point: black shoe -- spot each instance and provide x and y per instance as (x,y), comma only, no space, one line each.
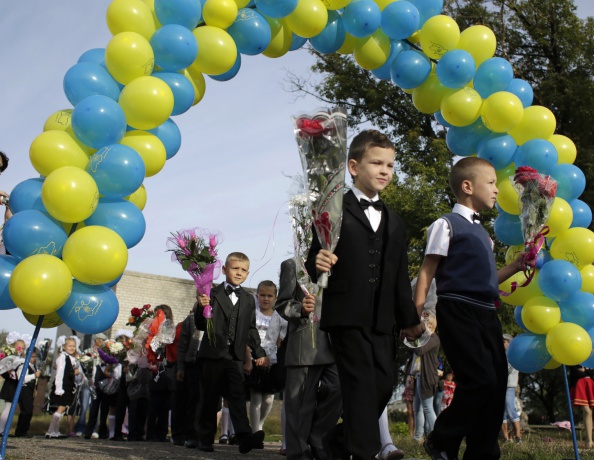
(433,452)
(333,447)
(86,436)
(318,453)
(251,441)
(205,447)
(177,442)
(191,444)
(223,439)
(233,441)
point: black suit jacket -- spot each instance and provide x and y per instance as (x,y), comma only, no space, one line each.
(345,301)
(245,333)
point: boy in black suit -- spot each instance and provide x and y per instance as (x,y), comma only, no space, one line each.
(368,297)
(234,321)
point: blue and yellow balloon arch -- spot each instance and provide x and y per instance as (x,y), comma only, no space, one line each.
(72,227)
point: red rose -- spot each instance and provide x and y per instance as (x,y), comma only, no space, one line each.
(136,312)
(525,174)
(311,127)
(146,307)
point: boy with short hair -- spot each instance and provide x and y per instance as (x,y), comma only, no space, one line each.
(234,322)
(459,255)
(368,297)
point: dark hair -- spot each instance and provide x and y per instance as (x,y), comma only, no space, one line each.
(166,309)
(4,162)
(365,140)
(466,169)
(267,283)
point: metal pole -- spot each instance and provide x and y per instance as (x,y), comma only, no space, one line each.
(17,393)
(573,437)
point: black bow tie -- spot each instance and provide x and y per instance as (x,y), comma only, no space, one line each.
(476,217)
(230,289)
(376,204)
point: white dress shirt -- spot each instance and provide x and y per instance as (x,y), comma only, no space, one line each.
(374,215)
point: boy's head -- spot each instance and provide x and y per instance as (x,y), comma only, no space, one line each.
(266,293)
(371,161)
(474,182)
(236,268)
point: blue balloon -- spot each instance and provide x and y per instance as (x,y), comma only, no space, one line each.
(7,264)
(362,18)
(27,195)
(122,217)
(332,37)
(528,352)
(89,309)
(114,282)
(590,361)
(182,89)
(498,149)
(170,135)
(250,31)
(95,55)
(231,72)
(297,42)
(400,20)
(88,79)
(518,318)
(455,69)
(384,71)
(118,170)
(542,258)
(538,154)
(427,9)
(33,232)
(508,229)
(463,141)
(186,13)
(493,75)
(559,280)
(410,69)
(276,8)
(98,121)
(441,120)
(523,90)
(578,309)
(571,181)
(174,46)
(582,214)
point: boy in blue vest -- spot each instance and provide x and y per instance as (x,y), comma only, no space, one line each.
(459,255)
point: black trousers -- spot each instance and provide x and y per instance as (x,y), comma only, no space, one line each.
(365,362)
(137,412)
(121,406)
(222,377)
(26,407)
(100,410)
(472,340)
(186,402)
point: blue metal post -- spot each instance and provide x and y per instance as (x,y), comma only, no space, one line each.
(575,446)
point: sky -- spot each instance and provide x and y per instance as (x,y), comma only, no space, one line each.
(233,171)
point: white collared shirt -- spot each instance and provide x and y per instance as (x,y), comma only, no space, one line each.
(233,296)
(374,215)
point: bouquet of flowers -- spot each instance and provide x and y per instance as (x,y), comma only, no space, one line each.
(138,315)
(196,250)
(112,352)
(7,350)
(86,363)
(321,140)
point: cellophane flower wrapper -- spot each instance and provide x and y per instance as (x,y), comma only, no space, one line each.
(321,140)
(302,226)
(196,250)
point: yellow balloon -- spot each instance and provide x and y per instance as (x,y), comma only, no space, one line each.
(461,107)
(540,314)
(281,40)
(95,255)
(537,123)
(576,245)
(427,96)
(198,82)
(40,284)
(219,13)
(513,252)
(560,217)
(552,364)
(242,3)
(569,344)
(506,173)
(151,5)
(138,197)
(69,194)
(383,3)
(129,55)
(149,147)
(53,149)
(372,52)
(565,148)
(130,16)
(502,111)
(480,42)
(309,18)
(439,35)
(217,51)
(147,102)
(507,197)
(49,321)
(348,46)
(588,278)
(522,294)
(335,4)
(61,121)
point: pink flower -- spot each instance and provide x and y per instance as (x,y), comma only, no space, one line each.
(2,355)
(207,312)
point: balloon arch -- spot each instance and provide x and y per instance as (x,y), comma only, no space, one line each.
(79,219)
